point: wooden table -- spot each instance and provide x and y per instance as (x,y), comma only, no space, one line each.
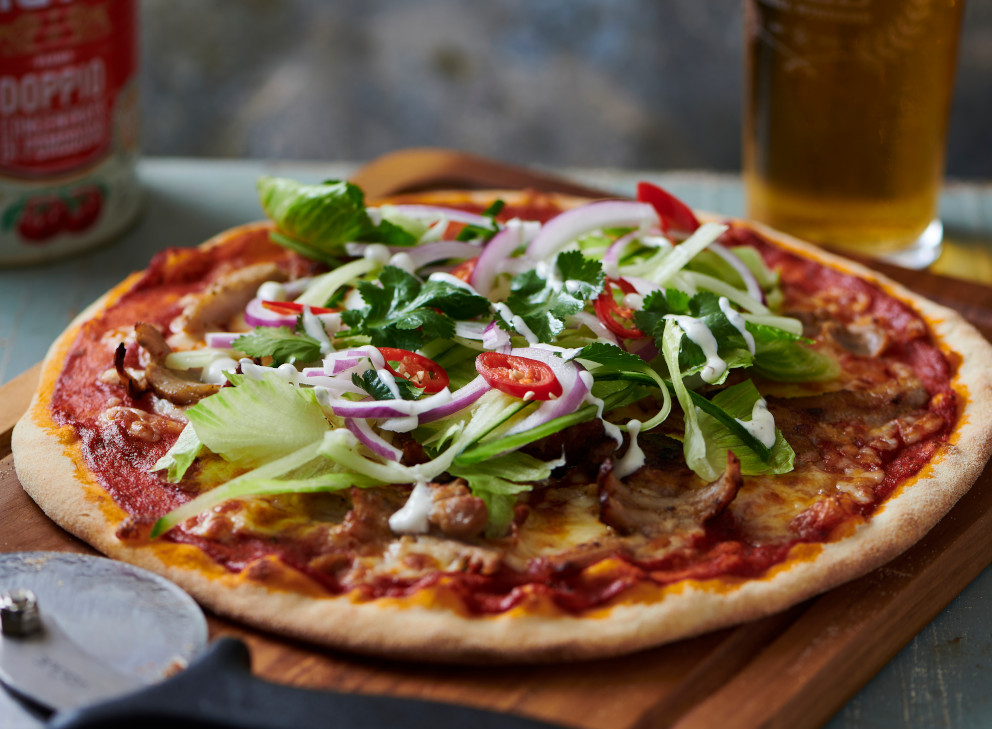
(940,679)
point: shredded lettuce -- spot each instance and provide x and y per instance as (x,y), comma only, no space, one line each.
(257,420)
(497,482)
(180,457)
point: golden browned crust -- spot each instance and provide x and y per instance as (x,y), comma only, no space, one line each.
(431,624)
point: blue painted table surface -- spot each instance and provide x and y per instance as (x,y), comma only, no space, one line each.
(941,679)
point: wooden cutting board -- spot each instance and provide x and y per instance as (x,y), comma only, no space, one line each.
(792,670)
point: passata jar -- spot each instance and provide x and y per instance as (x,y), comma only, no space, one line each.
(68,125)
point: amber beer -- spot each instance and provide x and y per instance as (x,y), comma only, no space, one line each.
(846,119)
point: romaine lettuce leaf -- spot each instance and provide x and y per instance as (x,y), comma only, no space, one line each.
(257,420)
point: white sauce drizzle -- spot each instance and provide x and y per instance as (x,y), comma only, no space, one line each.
(377,252)
(447,278)
(413,517)
(610,429)
(403,260)
(700,334)
(390,382)
(735,318)
(634,457)
(213,373)
(516,322)
(272,291)
(762,423)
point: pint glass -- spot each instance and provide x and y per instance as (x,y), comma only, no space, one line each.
(847,104)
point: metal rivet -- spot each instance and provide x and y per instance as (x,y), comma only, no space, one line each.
(19,614)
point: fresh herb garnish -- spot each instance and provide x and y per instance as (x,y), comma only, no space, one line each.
(405,312)
(478,232)
(544,302)
(282,344)
(372,383)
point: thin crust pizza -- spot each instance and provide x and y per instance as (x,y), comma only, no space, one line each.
(504,426)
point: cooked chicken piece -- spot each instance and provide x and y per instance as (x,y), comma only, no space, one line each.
(651,503)
(225,298)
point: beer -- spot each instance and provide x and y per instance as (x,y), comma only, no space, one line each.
(846,118)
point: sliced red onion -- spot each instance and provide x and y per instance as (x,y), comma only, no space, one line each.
(460,398)
(754,289)
(258,316)
(432,212)
(497,250)
(496,339)
(221,340)
(612,255)
(370,408)
(571,224)
(375,442)
(574,389)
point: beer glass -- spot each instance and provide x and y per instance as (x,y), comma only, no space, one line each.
(847,104)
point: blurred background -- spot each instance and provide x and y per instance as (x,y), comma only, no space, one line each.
(642,84)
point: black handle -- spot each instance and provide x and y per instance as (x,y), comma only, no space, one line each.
(220,692)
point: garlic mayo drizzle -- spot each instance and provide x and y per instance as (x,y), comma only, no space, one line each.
(762,423)
(735,318)
(412,518)
(700,334)
(634,457)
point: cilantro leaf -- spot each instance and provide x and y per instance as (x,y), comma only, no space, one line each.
(704,306)
(406,313)
(372,383)
(543,303)
(478,232)
(280,343)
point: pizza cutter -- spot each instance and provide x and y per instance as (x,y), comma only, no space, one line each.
(89,642)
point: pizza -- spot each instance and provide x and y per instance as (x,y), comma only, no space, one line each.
(505,426)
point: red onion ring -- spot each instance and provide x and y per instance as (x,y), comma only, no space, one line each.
(258,316)
(754,289)
(569,225)
(497,250)
(460,398)
(375,442)
(221,340)
(496,339)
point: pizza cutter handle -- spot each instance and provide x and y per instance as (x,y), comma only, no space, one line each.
(220,692)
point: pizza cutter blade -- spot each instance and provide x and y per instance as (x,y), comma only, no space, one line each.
(108,634)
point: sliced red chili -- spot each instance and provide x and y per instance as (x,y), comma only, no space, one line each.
(675,215)
(418,369)
(464,270)
(518,376)
(617,318)
(291,307)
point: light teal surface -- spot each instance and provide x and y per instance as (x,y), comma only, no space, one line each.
(941,680)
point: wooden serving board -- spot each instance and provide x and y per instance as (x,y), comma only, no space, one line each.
(793,670)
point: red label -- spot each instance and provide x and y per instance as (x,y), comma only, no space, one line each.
(63,65)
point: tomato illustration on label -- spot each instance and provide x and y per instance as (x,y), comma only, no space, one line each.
(85,204)
(42,217)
